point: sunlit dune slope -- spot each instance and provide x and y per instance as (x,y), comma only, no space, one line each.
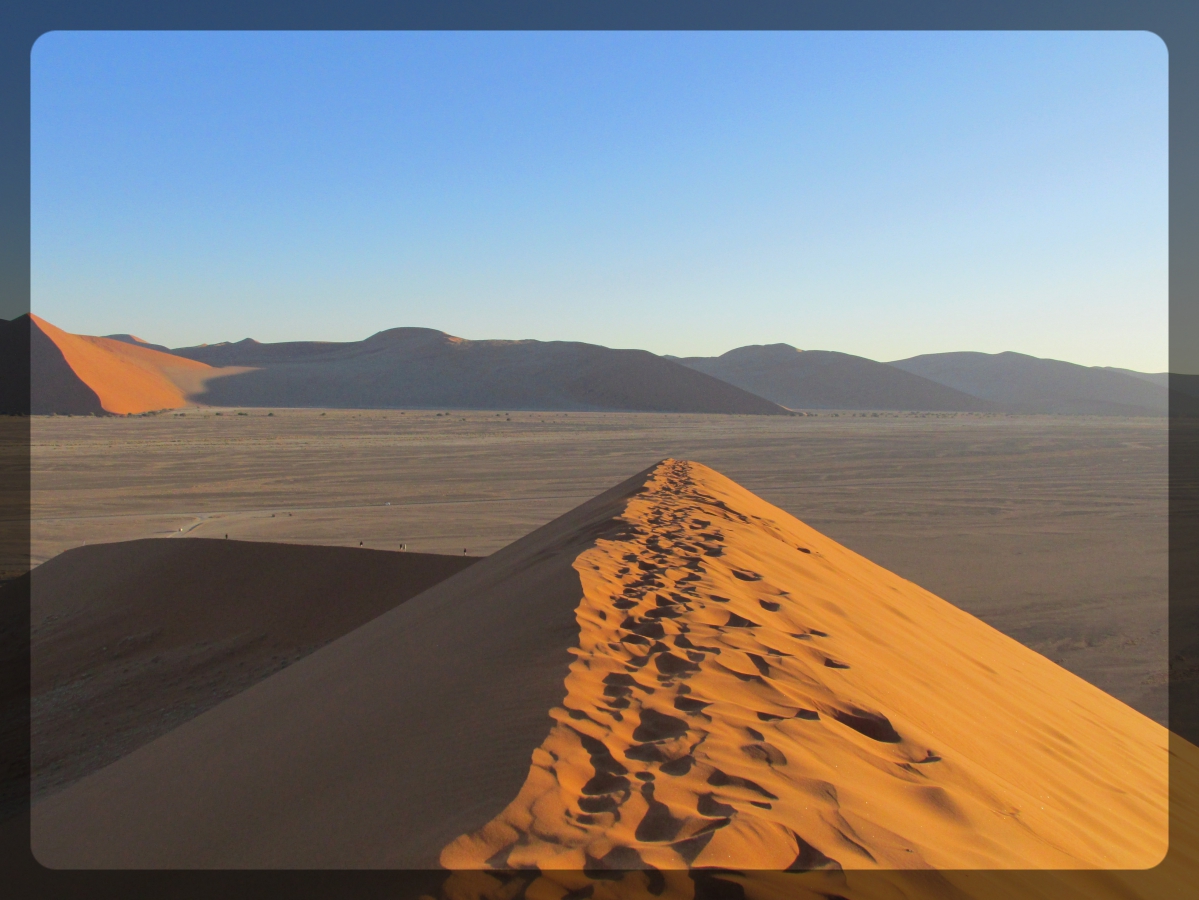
(374,751)
(674,675)
(125,377)
(748,693)
(1173,879)
(34,376)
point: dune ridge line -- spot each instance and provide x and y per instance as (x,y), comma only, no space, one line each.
(747,693)
(127,378)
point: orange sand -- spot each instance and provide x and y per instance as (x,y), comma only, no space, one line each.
(128,378)
(748,694)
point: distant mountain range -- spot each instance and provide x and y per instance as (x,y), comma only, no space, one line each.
(824,379)
(419,368)
(401,368)
(423,368)
(1027,384)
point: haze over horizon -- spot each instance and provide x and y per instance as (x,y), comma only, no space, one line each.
(881,194)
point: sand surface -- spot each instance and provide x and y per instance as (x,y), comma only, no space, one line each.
(748,694)
(130,640)
(733,689)
(1051,529)
(374,751)
(125,377)
(1173,879)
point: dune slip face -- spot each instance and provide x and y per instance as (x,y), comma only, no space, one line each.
(106,375)
(748,694)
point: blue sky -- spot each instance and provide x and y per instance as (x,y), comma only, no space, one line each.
(884,194)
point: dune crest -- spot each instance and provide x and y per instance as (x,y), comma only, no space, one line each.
(746,693)
(128,378)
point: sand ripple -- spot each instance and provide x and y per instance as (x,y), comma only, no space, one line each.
(747,693)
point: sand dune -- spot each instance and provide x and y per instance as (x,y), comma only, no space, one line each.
(1173,879)
(823,379)
(1161,379)
(81,375)
(137,342)
(423,368)
(399,368)
(29,359)
(131,639)
(748,694)
(1026,384)
(674,675)
(341,759)
(125,377)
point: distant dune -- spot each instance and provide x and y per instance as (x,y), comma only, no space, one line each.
(81,375)
(400,368)
(1161,379)
(137,342)
(676,674)
(822,379)
(29,357)
(131,639)
(420,368)
(423,368)
(1026,384)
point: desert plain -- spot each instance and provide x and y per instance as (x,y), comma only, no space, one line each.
(1051,529)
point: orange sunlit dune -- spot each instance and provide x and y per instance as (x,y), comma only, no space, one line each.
(747,693)
(674,682)
(128,378)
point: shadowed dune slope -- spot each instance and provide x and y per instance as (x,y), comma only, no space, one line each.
(423,368)
(823,379)
(676,674)
(36,378)
(131,639)
(1026,384)
(124,377)
(375,751)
